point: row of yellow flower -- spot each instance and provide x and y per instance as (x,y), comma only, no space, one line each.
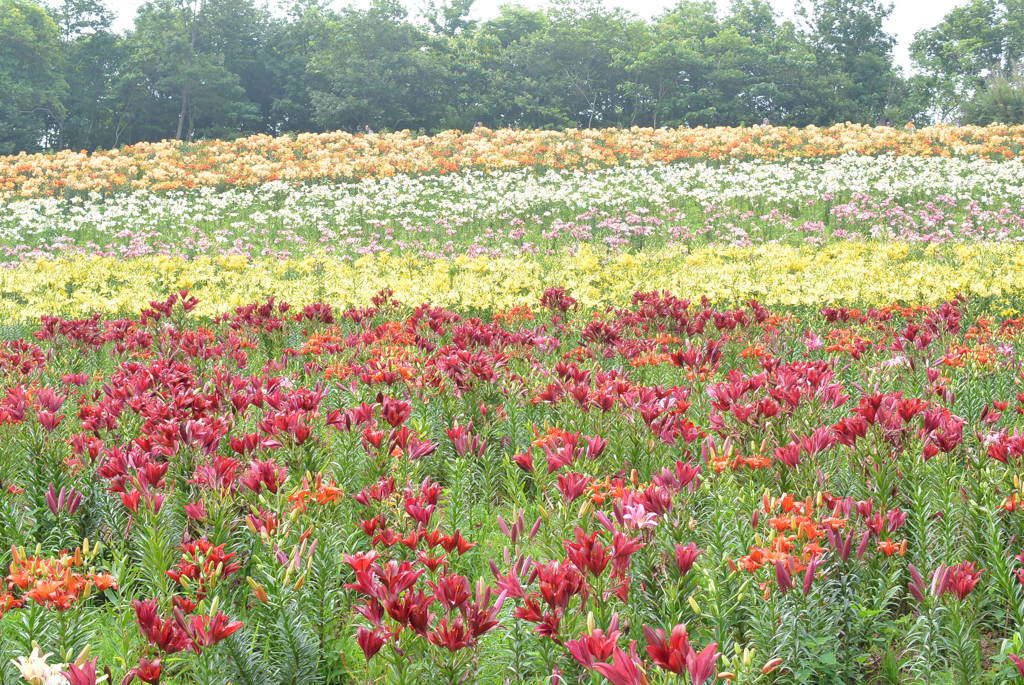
(171,164)
(848,273)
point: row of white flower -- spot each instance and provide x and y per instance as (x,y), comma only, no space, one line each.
(326,211)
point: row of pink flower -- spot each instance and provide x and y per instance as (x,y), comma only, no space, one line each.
(944,219)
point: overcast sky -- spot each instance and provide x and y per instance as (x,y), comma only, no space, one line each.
(908,17)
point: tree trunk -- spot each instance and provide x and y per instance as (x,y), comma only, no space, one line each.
(186,110)
(182,113)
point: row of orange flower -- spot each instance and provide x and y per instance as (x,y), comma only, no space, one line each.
(256,159)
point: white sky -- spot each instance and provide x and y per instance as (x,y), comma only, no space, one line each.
(908,16)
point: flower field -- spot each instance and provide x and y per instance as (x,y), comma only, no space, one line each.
(628,406)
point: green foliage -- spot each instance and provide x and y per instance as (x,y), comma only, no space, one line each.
(222,68)
(977,39)
(1000,100)
(30,76)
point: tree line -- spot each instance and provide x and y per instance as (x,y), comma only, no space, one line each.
(191,69)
